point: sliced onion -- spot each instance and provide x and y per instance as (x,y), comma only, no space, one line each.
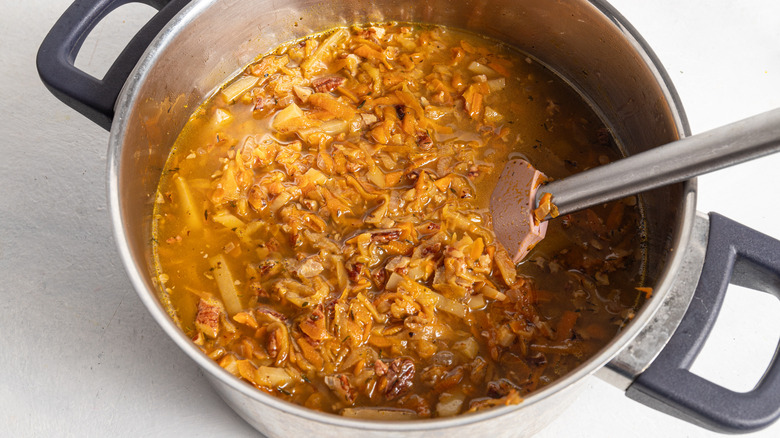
(481,69)
(238,87)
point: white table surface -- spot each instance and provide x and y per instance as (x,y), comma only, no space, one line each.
(79,356)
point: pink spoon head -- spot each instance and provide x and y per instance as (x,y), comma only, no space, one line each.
(512,205)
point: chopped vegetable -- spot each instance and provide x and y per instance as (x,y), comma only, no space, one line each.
(322,232)
(226,284)
(188,210)
(272,377)
(239,87)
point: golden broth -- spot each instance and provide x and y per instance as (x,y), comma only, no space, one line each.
(322,227)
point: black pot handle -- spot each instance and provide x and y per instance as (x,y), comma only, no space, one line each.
(92,97)
(739,255)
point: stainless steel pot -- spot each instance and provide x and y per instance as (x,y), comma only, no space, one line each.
(188,49)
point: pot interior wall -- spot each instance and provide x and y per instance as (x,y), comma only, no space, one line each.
(215,39)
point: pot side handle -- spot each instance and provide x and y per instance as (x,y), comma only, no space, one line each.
(739,255)
(93,97)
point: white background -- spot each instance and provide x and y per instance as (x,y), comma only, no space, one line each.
(79,356)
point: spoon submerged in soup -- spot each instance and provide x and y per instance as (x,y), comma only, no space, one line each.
(523,200)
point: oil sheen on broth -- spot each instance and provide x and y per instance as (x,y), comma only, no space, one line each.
(322,230)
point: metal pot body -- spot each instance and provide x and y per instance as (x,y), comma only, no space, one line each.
(585,42)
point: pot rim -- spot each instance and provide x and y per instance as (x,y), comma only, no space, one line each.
(130,98)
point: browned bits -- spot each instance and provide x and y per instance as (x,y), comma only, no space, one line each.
(268,268)
(451,379)
(271,313)
(473,172)
(432,227)
(399,377)
(380,368)
(263,104)
(273,343)
(432,374)
(340,385)
(400,112)
(207,319)
(500,388)
(433,248)
(258,289)
(380,276)
(355,271)
(327,83)
(424,141)
(384,237)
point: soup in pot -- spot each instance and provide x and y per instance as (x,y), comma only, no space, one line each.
(322,228)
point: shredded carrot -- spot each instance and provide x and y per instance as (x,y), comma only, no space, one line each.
(648,291)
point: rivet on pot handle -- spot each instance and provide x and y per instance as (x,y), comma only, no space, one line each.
(93,97)
(742,256)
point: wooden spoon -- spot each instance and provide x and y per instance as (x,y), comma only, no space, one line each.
(520,223)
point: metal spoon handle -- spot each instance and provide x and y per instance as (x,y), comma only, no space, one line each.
(678,161)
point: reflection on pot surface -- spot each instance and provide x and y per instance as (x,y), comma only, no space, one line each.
(322,231)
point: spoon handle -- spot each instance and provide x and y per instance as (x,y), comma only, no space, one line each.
(678,161)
